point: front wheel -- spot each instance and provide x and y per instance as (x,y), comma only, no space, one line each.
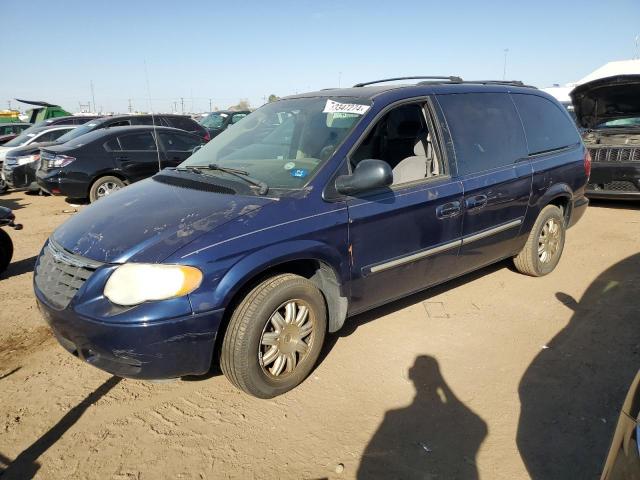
(543,249)
(104,186)
(274,336)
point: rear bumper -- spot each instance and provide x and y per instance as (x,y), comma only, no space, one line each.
(20,176)
(55,183)
(166,349)
(615,180)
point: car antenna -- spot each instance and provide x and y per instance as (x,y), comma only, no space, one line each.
(153,120)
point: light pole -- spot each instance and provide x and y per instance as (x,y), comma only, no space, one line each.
(504,68)
(339,78)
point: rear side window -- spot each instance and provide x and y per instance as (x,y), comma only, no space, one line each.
(51,135)
(137,141)
(485,128)
(184,123)
(547,127)
(177,142)
(119,123)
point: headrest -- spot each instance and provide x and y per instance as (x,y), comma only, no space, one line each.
(418,149)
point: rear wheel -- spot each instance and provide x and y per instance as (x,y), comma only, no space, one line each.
(543,249)
(104,186)
(274,336)
(6,250)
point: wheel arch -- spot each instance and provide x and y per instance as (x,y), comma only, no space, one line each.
(310,259)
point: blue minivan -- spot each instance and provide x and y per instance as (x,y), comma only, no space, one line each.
(310,210)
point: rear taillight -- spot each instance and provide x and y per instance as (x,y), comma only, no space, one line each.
(587,163)
(207,137)
(59,161)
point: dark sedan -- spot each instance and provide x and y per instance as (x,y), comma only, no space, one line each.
(217,122)
(108,159)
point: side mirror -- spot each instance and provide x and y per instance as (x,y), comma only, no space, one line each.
(368,175)
(195,149)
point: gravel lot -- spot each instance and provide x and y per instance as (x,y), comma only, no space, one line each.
(495,375)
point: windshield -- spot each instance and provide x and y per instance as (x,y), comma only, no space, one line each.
(283,143)
(214,121)
(620,123)
(76,132)
(20,140)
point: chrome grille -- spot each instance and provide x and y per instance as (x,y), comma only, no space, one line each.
(614,154)
(60,274)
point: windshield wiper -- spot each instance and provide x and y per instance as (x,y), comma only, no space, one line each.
(263,188)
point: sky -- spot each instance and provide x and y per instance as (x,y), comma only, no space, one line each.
(167,54)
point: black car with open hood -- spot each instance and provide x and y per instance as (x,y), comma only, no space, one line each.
(609,111)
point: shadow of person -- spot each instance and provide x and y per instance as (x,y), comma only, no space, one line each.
(572,392)
(436,436)
(25,465)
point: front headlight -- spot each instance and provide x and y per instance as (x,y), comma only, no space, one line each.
(134,283)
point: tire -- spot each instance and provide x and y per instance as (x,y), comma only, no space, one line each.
(6,250)
(248,363)
(543,249)
(103,186)
(3,187)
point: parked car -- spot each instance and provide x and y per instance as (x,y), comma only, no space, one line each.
(9,131)
(39,135)
(623,461)
(20,165)
(67,120)
(217,122)
(312,209)
(609,111)
(176,121)
(107,159)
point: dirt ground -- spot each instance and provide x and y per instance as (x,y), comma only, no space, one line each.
(495,375)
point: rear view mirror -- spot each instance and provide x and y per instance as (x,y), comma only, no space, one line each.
(368,175)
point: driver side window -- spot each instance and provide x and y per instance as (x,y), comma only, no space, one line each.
(402,139)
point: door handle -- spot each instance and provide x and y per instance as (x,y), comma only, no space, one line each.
(448,210)
(475,203)
(122,157)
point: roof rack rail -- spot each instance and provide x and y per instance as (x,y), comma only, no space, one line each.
(516,83)
(452,79)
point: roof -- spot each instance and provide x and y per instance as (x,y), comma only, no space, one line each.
(612,69)
(370,91)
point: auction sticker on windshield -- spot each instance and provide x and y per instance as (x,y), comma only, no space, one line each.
(336,107)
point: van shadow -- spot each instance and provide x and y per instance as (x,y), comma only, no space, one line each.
(26,465)
(352,323)
(572,392)
(436,436)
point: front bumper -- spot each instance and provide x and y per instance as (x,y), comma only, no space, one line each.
(164,349)
(615,180)
(56,183)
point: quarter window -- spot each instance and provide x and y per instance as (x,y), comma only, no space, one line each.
(547,127)
(486,130)
(237,117)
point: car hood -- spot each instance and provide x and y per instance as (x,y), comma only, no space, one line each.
(148,221)
(609,98)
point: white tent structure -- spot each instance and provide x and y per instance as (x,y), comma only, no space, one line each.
(622,67)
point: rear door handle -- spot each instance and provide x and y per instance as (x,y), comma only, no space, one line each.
(475,203)
(448,210)
(122,157)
